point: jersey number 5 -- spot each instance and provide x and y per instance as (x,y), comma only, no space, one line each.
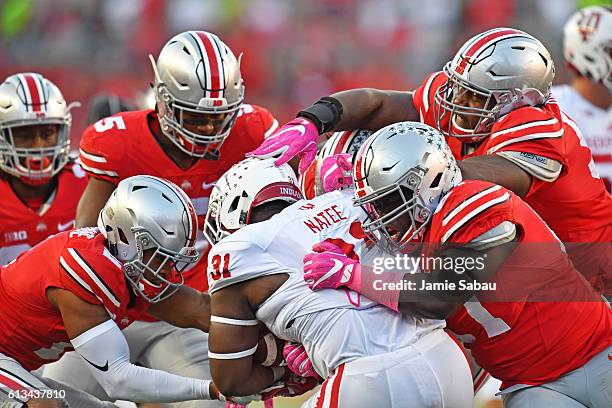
(108,123)
(221,267)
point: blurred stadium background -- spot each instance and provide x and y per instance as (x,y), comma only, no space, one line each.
(294,51)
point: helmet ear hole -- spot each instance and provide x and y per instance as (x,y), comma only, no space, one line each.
(122,236)
(235,202)
(436,181)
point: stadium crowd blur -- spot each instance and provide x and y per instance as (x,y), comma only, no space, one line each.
(294,51)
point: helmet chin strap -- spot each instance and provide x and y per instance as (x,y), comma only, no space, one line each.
(460,128)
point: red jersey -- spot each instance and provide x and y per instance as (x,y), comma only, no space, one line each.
(123,146)
(576,204)
(525,340)
(31,329)
(22,227)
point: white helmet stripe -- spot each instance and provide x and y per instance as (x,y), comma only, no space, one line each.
(26,91)
(473,48)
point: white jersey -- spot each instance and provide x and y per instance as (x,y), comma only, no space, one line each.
(595,124)
(335,326)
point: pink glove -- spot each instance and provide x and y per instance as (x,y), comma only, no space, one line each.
(296,138)
(329,268)
(289,387)
(336,172)
(298,361)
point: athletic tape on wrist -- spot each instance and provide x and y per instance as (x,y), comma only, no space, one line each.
(324,113)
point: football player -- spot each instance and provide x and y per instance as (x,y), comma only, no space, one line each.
(369,355)
(541,330)
(587,47)
(40,184)
(493,104)
(79,288)
(200,128)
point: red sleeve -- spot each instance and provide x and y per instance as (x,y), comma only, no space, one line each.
(270,124)
(530,130)
(259,121)
(102,149)
(307,181)
(94,276)
(469,210)
(423,97)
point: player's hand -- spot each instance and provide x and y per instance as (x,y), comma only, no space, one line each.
(291,386)
(296,138)
(298,361)
(328,267)
(336,172)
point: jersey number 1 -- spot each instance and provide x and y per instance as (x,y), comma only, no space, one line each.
(221,268)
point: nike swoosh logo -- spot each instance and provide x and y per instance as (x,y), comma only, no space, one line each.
(65,226)
(299,128)
(206,185)
(337,266)
(101,368)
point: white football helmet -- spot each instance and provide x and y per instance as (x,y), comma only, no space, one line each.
(400,174)
(587,43)
(507,68)
(29,99)
(246,185)
(146,212)
(196,72)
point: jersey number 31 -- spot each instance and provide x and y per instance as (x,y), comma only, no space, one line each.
(220,267)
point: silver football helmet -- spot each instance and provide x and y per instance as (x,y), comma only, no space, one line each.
(29,99)
(196,73)
(246,185)
(150,213)
(587,43)
(505,69)
(400,174)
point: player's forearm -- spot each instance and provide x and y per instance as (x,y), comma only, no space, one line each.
(242,382)
(407,293)
(187,308)
(368,108)
(497,170)
(105,350)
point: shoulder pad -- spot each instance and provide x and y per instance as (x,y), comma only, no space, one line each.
(540,167)
(237,259)
(524,124)
(464,206)
(423,96)
(500,234)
